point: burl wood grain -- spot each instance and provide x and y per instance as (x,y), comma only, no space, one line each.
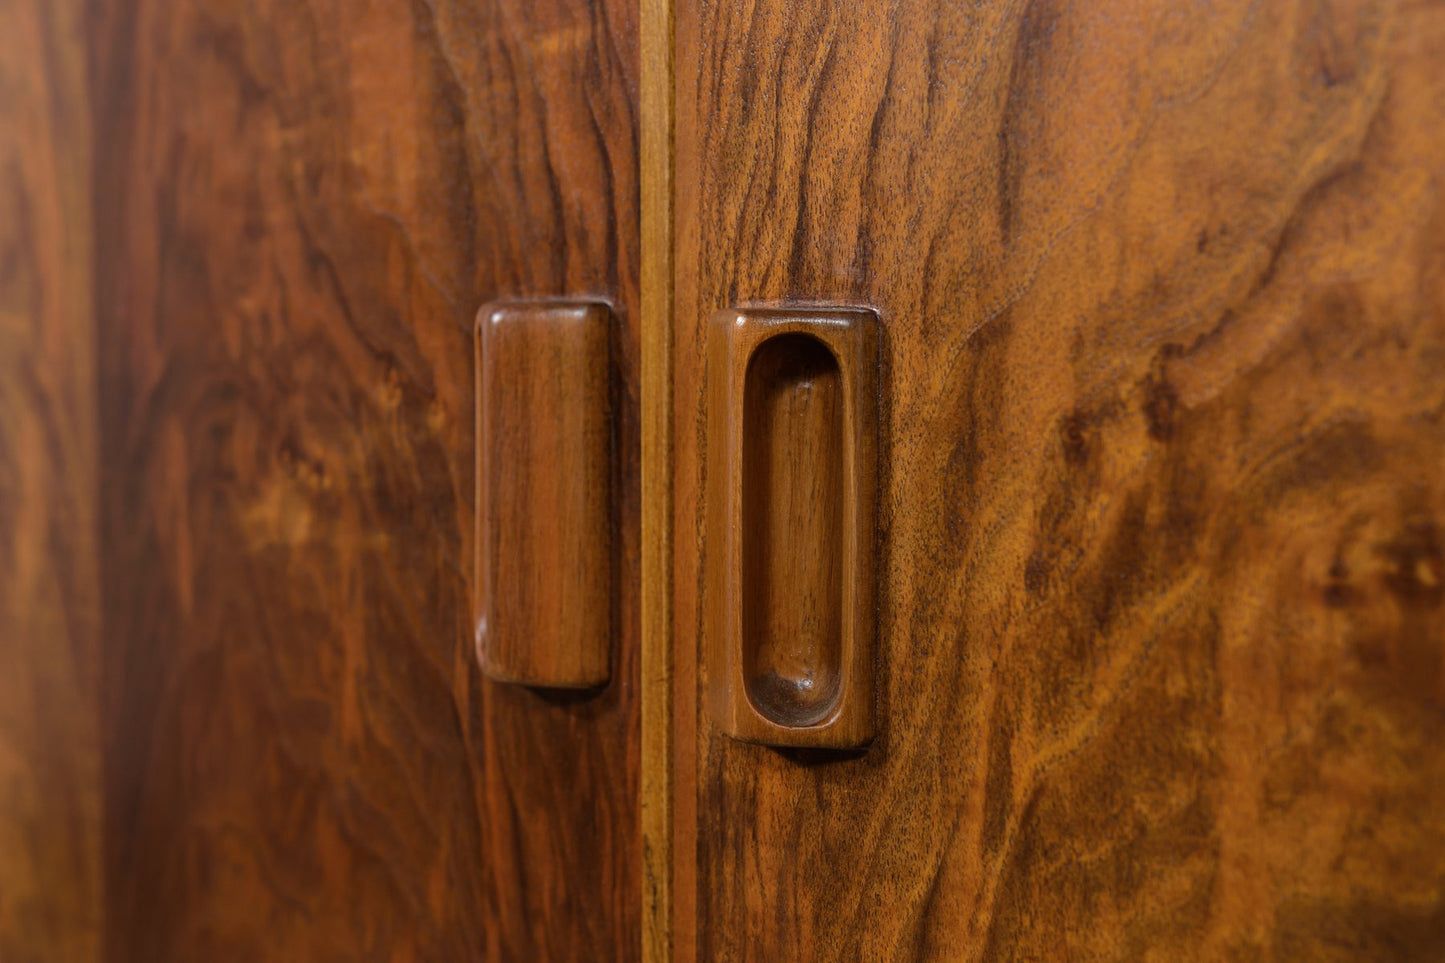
(301,206)
(1162,507)
(793,428)
(544,513)
(50,780)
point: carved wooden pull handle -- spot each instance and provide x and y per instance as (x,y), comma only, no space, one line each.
(544,438)
(792,477)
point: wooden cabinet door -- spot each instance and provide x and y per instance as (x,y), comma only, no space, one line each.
(1161,480)
(300,208)
(1146,301)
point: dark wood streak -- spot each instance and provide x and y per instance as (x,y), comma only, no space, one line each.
(50,786)
(301,206)
(1163,302)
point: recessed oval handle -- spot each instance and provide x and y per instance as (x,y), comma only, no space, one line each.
(791,488)
(543,537)
(793,448)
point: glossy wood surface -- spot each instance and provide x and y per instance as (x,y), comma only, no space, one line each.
(301,208)
(1162,508)
(544,507)
(50,786)
(792,441)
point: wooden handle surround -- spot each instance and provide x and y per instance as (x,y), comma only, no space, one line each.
(792,478)
(543,540)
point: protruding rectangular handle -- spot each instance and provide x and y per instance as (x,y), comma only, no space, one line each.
(792,477)
(544,466)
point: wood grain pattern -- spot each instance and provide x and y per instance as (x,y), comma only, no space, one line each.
(655,325)
(792,441)
(655,593)
(544,494)
(302,205)
(1162,629)
(50,785)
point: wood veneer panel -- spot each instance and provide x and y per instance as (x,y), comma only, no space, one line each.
(1162,552)
(50,780)
(302,205)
